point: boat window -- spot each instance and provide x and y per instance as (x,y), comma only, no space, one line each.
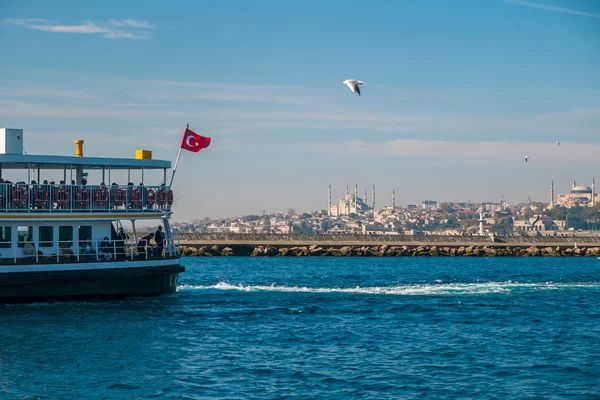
(85,233)
(65,233)
(5,237)
(46,236)
(24,232)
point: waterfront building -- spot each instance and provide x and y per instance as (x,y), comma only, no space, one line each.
(538,224)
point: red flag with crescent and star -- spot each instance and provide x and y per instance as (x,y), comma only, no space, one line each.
(193,142)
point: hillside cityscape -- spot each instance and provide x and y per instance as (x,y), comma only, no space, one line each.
(575,212)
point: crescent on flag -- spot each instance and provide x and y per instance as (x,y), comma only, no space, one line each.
(190,141)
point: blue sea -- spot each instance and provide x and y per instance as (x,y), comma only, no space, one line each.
(266,328)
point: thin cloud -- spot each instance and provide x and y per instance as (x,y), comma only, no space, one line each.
(23,21)
(551,8)
(132,23)
(48,93)
(86,27)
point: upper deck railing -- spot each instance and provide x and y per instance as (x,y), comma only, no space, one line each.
(48,198)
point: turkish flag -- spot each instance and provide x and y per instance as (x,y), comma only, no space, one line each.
(193,142)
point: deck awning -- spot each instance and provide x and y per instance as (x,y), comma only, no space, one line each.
(17,161)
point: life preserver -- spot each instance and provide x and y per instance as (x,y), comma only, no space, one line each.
(150,197)
(101,197)
(170,198)
(162,197)
(83,197)
(120,196)
(61,196)
(43,200)
(19,200)
(136,197)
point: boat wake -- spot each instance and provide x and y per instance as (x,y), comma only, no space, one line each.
(405,290)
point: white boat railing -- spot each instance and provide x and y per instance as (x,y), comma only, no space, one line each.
(44,252)
(46,198)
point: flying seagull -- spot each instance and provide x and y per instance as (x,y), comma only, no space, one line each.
(526,158)
(558,143)
(353,85)
(534,222)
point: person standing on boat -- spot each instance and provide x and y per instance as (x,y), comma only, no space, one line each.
(159,238)
(120,244)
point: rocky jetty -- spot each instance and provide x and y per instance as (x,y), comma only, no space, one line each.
(385,250)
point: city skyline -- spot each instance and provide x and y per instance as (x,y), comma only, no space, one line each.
(454,97)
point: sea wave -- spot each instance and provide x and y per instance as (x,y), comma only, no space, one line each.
(406,290)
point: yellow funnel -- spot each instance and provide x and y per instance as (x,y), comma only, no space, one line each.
(79,148)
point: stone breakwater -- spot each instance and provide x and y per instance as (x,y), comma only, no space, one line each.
(343,245)
(391,251)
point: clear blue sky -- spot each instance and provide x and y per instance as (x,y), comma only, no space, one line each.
(456,94)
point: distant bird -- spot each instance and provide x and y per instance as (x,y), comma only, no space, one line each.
(526,158)
(534,222)
(558,143)
(353,85)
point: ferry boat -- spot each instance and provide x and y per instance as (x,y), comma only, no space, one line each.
(66,240)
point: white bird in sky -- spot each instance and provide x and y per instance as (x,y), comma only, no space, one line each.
(526,158)
(353,85)
(558,143)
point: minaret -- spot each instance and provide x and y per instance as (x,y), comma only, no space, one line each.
(356,193)
(552,194)
(574,184)
(329,201)
(373,197)
(393,199)
(593,191)
(365,199)
(346,189)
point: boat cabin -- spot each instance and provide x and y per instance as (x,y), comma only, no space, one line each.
(57,209)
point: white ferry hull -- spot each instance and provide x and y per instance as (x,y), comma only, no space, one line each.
(22,284)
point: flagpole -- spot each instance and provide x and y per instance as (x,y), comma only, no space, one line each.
(177,160)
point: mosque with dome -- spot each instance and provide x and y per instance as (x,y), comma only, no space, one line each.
(580,195)
(351,203)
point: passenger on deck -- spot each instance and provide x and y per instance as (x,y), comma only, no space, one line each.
(144,247)
(129,192)
(106,249)
(66,253)
(159,238)
(30,194)
(89,250)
